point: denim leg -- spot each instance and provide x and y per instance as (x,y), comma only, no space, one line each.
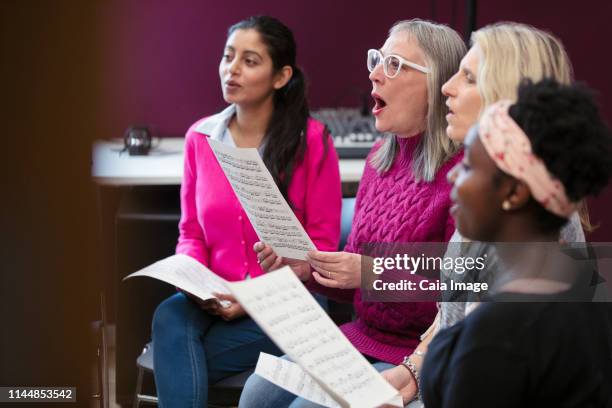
(381,366)
(259,392)
(304,403)
(194,349)
(179,325)
(233,347)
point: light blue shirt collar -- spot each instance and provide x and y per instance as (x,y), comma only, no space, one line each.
(216,126)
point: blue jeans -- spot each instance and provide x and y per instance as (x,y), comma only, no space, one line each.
(260,393)
(194,349)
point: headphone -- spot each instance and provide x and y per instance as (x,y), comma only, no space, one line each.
(137,140)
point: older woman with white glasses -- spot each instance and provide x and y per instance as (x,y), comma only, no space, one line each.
(403,196)
(392,64)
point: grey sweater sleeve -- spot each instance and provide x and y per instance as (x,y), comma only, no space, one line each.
(572,231)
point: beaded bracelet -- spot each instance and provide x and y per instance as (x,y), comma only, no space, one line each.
(415,373)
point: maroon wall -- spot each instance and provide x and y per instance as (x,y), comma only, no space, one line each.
(161,58)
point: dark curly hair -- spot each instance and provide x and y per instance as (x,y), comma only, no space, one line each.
(568,133)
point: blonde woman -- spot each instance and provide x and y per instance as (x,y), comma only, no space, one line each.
(403,196)
(501,56)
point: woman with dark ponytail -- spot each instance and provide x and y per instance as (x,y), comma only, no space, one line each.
(199,343)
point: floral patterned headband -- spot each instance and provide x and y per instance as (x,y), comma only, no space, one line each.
(510,149)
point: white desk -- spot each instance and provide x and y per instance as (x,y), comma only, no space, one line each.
(164,164)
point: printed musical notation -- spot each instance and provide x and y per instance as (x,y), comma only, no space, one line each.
(187,274)
(293,319)
(271,217)
(292,378)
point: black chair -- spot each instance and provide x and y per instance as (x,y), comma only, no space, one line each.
(100,346)
(144,364)
(226,393)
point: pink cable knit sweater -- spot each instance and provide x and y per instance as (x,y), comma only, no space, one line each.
(394,208)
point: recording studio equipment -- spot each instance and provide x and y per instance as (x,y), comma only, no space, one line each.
(353,132)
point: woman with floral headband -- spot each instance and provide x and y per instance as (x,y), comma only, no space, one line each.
(526,167)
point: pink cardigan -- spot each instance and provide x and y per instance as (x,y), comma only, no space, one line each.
(215,230)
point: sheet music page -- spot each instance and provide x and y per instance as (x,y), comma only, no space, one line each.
(292,378)
(263,202)
(188,274)
(293,319)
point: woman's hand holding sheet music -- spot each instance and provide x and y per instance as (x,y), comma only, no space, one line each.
(230,309)
(208,305)
(340,270)
(269,261)
(231,312)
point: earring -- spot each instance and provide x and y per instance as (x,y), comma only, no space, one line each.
(506,205)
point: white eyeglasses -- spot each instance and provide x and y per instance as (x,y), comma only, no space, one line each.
(392,64)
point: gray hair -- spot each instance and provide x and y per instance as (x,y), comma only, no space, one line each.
(443,49)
